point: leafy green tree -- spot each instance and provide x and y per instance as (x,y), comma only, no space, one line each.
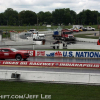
(27,17)
(98,20)
(95,17)
(2,19)
(81,18)
(58,16)
(11,16)
(73,17)
(64,16)
(48,17)
(87,17)
(41,17)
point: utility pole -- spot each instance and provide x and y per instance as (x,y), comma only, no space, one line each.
(7,22)
(98,25)
(99,31)
(37,22)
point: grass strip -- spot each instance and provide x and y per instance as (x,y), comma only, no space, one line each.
(69,49)
(57,91)
(86,36)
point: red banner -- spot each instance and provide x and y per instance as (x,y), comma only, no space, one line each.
(31,52)
(51,64)
(40,53)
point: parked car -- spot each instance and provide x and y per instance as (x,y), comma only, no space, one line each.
(98,42)
(89,28)
(80,30)
(84,29)
(11,53)
(12,31)
(75,30)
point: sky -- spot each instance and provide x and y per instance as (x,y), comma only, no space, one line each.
(49,5)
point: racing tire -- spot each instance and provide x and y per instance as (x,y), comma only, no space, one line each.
(2,59)
(63,44)
(25,59)
(18,57)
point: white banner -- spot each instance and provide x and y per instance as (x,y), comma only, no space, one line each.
(81,54)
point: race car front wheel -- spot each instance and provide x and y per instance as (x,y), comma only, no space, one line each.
(18,57)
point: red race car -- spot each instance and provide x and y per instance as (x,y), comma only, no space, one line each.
(75,30)
(11,53)
(12,31)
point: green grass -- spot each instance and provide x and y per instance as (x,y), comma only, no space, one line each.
(6,35)
(39,28)
(57,91)
(85,36)
(44,28)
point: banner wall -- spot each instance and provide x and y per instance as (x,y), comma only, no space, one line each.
(80,54)
(51,64)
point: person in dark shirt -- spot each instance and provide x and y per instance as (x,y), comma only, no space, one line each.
(57,42)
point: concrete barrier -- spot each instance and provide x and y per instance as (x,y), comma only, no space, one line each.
(95,78)
(55,77)
(87,40)
(0,37)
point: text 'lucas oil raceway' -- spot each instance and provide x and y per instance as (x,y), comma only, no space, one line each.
(51,64)
(36,53)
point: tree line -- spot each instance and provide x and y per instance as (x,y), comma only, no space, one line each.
(63,16)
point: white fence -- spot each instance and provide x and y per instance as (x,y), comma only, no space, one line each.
(55,77)
(87,40)
(82,46)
